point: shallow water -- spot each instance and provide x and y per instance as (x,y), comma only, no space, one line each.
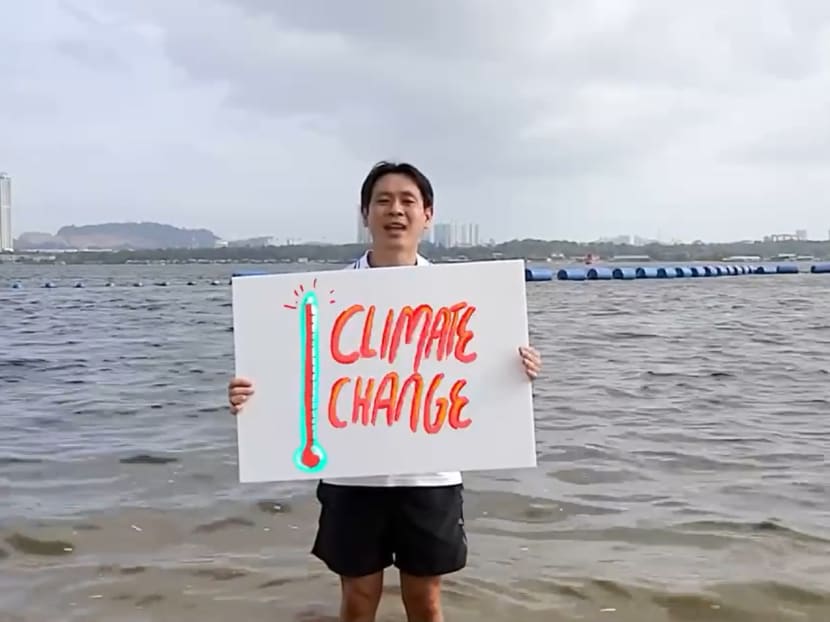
(683,439)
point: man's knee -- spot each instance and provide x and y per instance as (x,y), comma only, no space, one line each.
(360,597)
(421,598)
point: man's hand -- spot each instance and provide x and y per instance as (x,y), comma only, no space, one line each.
(532,361)
(239,390)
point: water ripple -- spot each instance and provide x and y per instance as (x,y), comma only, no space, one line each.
(682,435)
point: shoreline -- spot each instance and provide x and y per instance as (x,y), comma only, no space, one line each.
(253,559)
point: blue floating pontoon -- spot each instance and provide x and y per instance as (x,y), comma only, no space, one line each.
(600,273)
(571,274)
(624,274)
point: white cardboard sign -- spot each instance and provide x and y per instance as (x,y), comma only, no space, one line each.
(383,371)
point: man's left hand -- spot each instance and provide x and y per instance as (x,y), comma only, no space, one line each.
(532,361)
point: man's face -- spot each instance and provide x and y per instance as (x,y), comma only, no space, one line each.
(397,216)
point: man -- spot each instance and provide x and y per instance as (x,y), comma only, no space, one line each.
(415,522)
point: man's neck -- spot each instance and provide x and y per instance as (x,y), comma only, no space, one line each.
(379,258)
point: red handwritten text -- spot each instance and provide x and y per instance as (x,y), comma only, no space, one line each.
(438,334)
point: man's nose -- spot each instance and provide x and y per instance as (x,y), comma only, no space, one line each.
(396,206)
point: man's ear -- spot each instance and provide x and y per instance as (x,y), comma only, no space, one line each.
(428,213)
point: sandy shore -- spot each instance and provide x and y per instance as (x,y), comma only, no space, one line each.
(252,563)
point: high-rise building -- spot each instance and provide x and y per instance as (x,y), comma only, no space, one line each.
(469,234)
(443,235)
(6,238)
(456,235)
(363,235)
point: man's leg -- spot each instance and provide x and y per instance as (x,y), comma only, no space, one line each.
(429,542)
(421,598)
(353,541)
(360,597)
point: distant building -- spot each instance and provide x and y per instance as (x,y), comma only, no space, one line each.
(468,234)
(783,237)
(363,235)
(455,235)
(6,237)
(801,235)
(443,235)
(640,241)
(619,239)
(259,242)
(738,258)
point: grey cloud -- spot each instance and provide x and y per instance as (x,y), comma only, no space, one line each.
(79,13)
(95,41)
(92,55)
(377,70)
(649,40)
(798,147)
(543,106)
(470,29)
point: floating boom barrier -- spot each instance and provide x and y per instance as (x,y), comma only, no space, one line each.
(532,274)
(630,273)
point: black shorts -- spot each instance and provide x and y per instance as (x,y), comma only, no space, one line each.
(363,529)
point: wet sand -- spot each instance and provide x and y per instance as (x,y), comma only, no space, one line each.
(252,563)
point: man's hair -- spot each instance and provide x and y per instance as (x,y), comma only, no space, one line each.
(401,168)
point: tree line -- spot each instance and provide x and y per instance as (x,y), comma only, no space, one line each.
(531,249)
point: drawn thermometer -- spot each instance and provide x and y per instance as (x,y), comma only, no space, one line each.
(309,456)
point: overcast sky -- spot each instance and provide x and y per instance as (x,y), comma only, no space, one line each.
(539,118)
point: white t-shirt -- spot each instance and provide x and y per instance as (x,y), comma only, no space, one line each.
(447,478)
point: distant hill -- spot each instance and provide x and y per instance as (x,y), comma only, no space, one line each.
(119,236)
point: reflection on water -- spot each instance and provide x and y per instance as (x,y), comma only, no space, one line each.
(683,469)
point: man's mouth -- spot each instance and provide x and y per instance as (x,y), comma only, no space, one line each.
(394,226)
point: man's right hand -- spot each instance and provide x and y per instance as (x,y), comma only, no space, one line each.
(239,390)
